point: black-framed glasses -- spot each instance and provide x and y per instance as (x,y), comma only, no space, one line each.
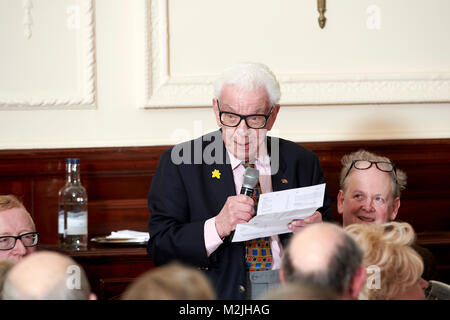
(29,239)
(366,164)
(254,121)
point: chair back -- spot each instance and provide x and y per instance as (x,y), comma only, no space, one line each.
(437,291)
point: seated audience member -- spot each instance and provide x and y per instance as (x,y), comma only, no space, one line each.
(18,236)
(297,290)
(369,193)
(47,275)
(396,268)
(324,255)
(173,281)
(5,266)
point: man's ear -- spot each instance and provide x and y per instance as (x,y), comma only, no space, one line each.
(273,117)
(396,205)
(358,282)
(340,202)
(216,111)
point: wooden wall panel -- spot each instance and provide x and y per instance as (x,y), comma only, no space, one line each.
(118,181)
(425,202)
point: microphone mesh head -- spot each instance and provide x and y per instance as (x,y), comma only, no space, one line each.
(251,176)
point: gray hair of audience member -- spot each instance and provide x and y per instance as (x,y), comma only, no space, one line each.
(5,266)
(45,275)
(337,275)
(173,281)
(346,161)
(298,290)
(248,77)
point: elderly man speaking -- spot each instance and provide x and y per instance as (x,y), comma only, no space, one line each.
(195,201)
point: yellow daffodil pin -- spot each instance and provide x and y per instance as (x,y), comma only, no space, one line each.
(216,174)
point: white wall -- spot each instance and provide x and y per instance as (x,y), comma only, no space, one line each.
(48,98)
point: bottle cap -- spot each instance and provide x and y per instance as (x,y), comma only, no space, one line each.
(73,160)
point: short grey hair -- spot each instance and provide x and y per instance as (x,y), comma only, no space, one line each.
(249,76)
(346,161)
(338,275)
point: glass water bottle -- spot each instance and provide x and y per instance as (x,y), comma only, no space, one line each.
(73,209)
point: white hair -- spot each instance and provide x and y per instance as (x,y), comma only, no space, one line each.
(249,76)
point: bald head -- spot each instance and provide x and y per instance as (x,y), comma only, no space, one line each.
(311,250)
(323,254)
(46,275)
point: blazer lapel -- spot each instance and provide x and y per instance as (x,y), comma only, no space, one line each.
(278,166)
(219,179)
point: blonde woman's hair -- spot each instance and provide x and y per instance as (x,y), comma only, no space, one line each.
(346,161)
(388,247)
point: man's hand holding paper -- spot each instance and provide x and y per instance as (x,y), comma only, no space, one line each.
(299,224)
(282,212)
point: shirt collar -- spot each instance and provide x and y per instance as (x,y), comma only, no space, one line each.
(263,161)
(235,162)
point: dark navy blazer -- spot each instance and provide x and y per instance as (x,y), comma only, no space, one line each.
(184,195)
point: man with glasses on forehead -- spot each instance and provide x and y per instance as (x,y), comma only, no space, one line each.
(370,193)
(18,236)
(196,206)
(370,188)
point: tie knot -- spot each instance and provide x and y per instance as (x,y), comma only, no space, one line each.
(247,164)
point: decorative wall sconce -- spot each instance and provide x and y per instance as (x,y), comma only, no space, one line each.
(322,7)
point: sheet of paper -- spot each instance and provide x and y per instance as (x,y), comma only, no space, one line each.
(277,209)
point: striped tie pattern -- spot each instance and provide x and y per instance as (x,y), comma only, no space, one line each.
(258,254)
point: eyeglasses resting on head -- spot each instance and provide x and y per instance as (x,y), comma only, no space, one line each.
(367,164)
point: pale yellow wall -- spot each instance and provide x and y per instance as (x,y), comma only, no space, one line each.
(118,117)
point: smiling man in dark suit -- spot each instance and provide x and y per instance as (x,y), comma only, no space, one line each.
(194,198)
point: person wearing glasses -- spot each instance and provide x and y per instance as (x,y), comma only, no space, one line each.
(195,201)
(370,188)
(18,236)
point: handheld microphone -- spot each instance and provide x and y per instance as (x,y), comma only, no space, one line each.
(251,176)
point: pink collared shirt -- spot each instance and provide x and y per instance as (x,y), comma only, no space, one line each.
(212,239)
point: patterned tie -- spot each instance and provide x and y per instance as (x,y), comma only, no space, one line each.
(258,254)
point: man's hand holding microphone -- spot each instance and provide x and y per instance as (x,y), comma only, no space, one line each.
(239,208)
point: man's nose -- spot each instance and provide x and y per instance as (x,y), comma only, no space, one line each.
(19,249)
(243,125)
(368,205)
